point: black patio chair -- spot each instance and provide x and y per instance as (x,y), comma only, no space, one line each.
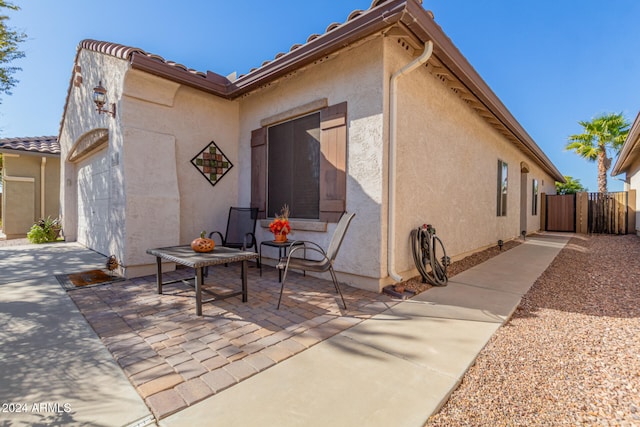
(241,230)
(325,263)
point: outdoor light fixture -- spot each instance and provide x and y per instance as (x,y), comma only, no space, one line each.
(500,244)
(100,98)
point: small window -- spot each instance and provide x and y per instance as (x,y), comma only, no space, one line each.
(534,197)
(294,167)
(502,188)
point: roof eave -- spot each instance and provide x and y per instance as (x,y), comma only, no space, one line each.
(425,28)
(631,143)
(30,152)
(212,83)
(409,13)
(371,22)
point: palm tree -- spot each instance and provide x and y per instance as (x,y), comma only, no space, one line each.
(605,132)
(571,186)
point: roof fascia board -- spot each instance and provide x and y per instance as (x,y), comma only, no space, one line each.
(425,28)
(410,13)
(368,23)
(10,152)
(632,142)
(213,83)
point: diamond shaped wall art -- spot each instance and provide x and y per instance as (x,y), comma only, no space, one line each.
(212,163)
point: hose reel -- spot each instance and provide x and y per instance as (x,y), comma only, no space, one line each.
(429,255)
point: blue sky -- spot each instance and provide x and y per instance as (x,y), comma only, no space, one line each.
(552,63)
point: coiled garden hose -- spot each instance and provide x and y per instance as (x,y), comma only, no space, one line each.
(426,248)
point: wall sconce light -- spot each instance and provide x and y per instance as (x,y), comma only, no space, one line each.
(100,98)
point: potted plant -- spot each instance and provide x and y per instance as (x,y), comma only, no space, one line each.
(280,225)
(45,230)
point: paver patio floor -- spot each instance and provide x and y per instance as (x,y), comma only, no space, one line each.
(175,358)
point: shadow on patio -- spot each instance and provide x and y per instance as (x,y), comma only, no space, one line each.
(175,358)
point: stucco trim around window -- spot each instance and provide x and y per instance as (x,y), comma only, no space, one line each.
(300,225)
(292,113)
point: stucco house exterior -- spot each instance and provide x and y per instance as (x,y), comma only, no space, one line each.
(628,162)
(30,182)
(380,115)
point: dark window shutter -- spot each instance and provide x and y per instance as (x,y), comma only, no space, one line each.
(333,147)
(259,171)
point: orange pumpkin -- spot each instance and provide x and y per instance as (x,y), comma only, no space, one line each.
(202,244)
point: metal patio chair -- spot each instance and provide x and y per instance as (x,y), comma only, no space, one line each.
(241,230)
(325,263)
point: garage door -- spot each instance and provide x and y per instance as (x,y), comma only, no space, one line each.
(93,202)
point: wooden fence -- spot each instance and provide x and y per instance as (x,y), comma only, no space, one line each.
(608,213)
(586,213)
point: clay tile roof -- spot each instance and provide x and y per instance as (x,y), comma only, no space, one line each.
(219,85)
(409,16)
(353,15)
(39,144)
(126,52)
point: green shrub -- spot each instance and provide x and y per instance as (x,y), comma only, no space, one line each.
(45,230)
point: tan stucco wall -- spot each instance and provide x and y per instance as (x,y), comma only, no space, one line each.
(447,168)
(79,119)
(355,77)
(22,184)
(155,196)
(633,176)
(447,159)
(166,126)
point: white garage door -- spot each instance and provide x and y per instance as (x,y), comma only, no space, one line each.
(93,202)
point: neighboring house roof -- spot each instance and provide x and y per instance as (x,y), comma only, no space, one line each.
(630,150)
(39,144)
(406,19)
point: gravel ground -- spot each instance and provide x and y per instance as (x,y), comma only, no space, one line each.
(570,355)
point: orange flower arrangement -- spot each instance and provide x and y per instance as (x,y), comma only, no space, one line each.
(280,225)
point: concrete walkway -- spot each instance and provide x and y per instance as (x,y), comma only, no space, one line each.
(54,370)
(395,369)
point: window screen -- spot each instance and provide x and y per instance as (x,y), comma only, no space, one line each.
(294,167)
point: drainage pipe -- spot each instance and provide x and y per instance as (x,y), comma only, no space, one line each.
(43,169)
(393,110)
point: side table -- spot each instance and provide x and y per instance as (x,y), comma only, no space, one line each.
(282,247)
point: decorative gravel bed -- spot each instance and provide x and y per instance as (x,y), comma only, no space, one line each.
(570,355)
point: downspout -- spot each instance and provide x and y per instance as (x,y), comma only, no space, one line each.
(393,107)
(43,165)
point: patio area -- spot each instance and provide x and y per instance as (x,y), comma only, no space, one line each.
(175,358)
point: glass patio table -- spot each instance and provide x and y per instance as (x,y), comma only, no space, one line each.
(186,256)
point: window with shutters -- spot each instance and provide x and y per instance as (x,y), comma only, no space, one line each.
(302,163)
